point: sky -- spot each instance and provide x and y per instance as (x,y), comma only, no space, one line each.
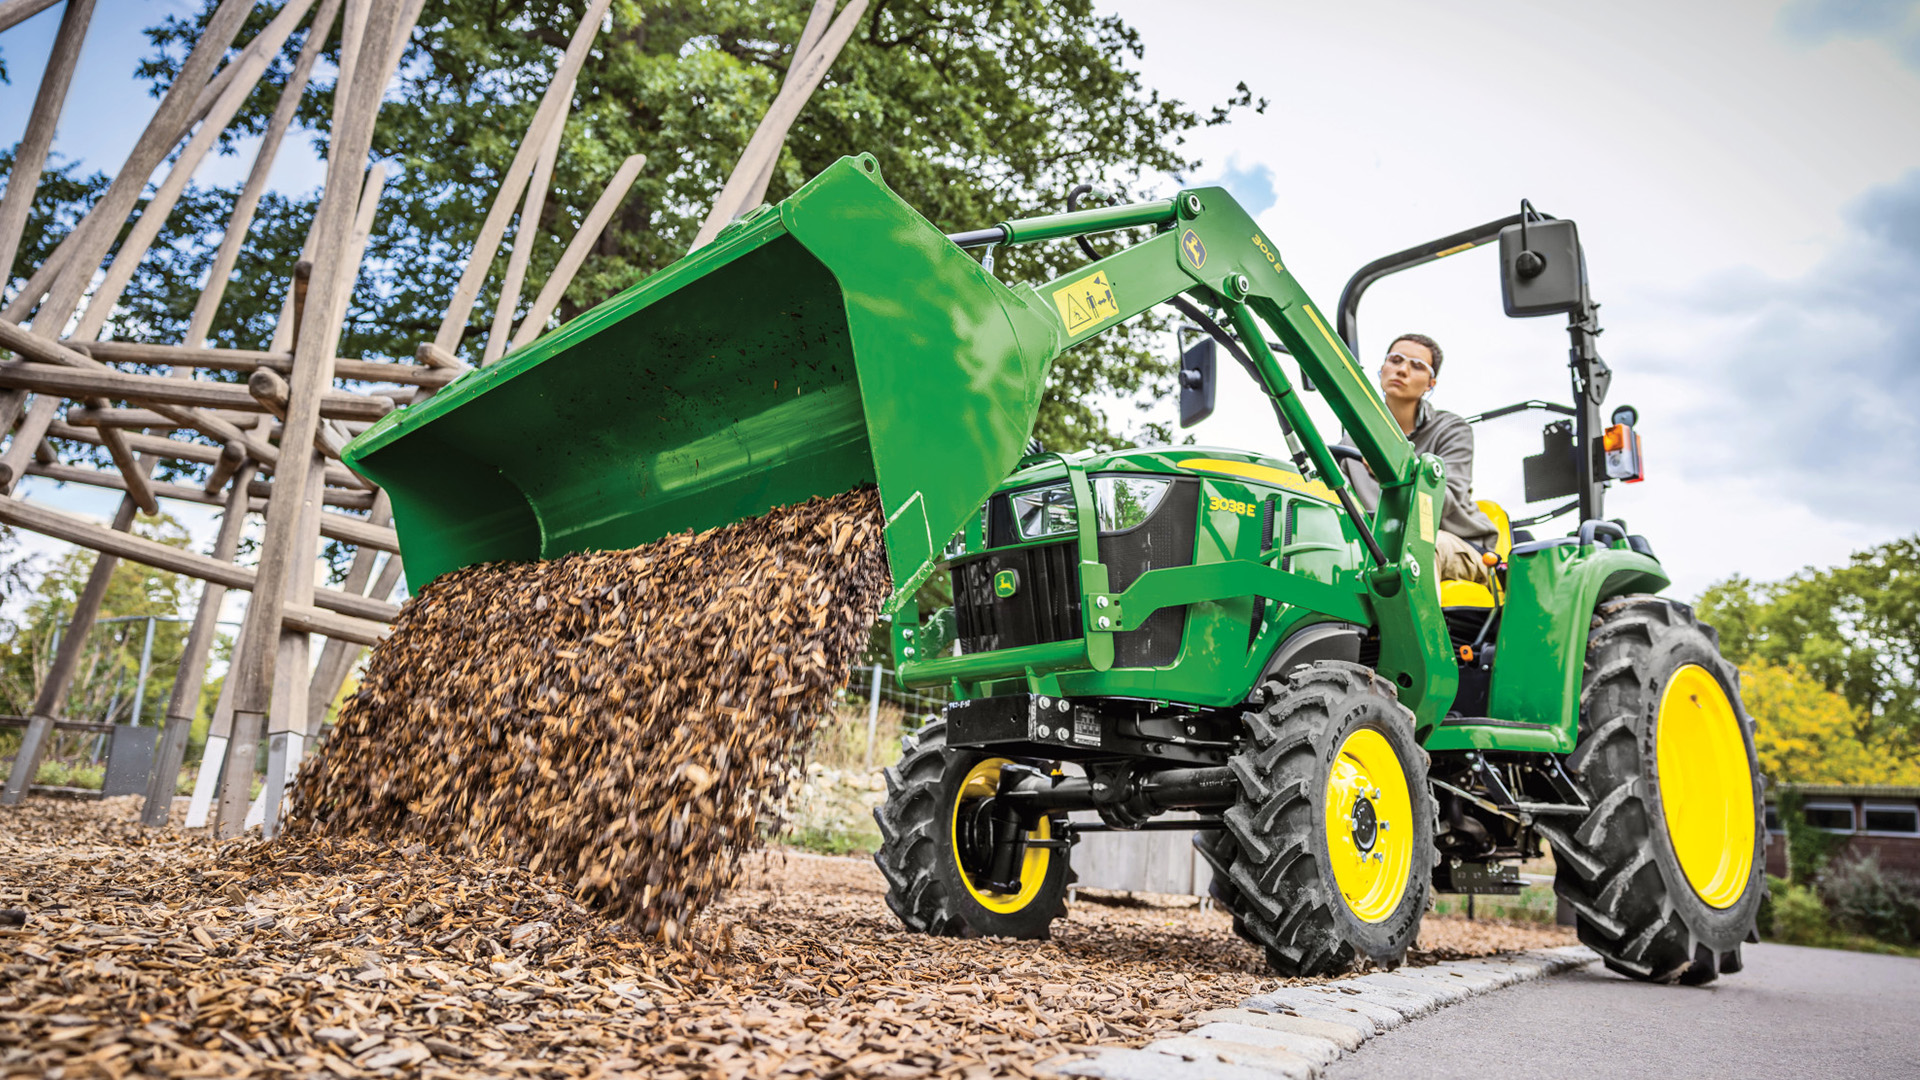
(1745,177)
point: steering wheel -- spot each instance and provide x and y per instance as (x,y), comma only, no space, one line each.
(1342,450)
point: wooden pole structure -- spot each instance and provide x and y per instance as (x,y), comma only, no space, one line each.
(92,238)
(208,304)
(337,657)
(817,22)
(66,661)
(185,702)
(767,139)
(213,758)
(314,343)
(454,324)
(30,157)
(287,711)
(13,11)
(153,217)
(94,235)
(525,235)
(578,248)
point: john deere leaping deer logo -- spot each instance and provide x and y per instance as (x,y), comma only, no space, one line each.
(1193,249)
(1006,583)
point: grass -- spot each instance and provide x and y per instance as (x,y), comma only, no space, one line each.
(68,774)
(833,839)
(1534,904)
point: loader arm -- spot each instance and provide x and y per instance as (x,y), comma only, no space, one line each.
(1207,247)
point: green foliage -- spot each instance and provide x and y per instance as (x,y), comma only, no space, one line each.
(1853,628)
(1799,918)
(1806,733)
(979,111)
(1867,899)
(103,688)
(1809,849)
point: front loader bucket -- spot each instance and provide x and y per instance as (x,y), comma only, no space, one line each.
(835,340)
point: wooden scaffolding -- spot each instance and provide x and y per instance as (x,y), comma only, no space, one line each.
(272,443)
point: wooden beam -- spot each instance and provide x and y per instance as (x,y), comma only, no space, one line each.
(78,530)
(578,248)
(139,419)
(345,498)
(184,704)
(80,474)
(454,323)
(312,620)
(429,354)
(526,234)
(94,236)
(381,371)
(14,11)
(314,343)
(162,390)
(241,220)
(772,132)
(52,352)
(247,70)
(30,156)
(173,449)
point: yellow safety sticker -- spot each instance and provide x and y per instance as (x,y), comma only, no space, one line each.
(1426,517)
(1086,303)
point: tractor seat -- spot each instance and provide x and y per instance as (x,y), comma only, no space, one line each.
(1472,594)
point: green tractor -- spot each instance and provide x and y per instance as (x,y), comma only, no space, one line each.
(1172,629)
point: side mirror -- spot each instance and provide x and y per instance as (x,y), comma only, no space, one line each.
(1196,381)
(1542,268)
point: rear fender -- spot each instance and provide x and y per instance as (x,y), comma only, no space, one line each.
(1542,645)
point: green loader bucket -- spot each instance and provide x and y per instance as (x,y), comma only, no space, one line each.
(835,340)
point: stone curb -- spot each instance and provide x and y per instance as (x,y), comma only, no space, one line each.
(1293,1032)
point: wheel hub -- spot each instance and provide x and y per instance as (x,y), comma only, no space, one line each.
(1364,822)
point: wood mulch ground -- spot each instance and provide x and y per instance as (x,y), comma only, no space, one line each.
(153,953)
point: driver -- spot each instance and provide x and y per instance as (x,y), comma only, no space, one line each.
(1407,377)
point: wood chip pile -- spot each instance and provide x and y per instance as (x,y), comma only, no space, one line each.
(625,719)
(150,953)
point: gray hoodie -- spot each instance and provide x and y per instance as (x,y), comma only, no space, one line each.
(1449,438)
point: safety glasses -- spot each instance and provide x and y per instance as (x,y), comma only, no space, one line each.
(1395,359)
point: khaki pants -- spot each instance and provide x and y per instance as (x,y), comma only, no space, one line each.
(1457,560)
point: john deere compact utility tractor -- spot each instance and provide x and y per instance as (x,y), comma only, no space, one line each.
(1147,631)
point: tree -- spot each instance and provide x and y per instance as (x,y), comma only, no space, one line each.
(104,687)
(1855,629)
(1805,733)
(978,110)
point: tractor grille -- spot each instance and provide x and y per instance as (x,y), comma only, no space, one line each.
(1044,607)
(1163,540)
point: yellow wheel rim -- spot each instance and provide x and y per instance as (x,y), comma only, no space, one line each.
(982,781)
(1369,819)
(1706,785)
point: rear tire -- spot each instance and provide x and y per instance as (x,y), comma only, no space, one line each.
(926,885)
(1321,880)
(1664,893)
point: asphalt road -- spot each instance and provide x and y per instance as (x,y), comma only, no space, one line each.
(1794,1013)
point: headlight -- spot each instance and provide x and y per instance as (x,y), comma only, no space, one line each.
(1121,502)
(1043,511)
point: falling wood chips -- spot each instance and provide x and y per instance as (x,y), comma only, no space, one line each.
(627,720)
(152,953)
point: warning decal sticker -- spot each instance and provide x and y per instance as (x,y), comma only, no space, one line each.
(1086,303)
(1426,517)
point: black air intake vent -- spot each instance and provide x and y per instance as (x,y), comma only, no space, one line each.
(1045,605)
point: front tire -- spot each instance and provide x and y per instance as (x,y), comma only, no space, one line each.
(1333,831)
(926,849)
(1665,874)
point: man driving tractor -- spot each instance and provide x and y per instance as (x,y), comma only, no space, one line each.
(1407,376)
